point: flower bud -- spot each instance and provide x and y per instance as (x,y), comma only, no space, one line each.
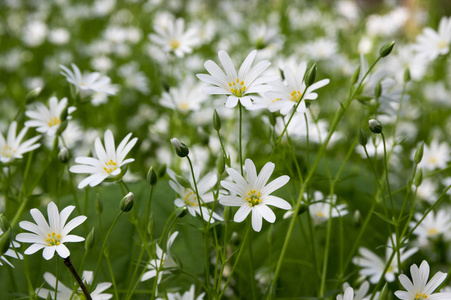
(221,164)
(151,225)
(375,126)
(61,128)
(5,241)
(63,155)
(419,153)
(418,178)
(310,76)
(127,202)
(90,239)
(64,114)
(4,224)
(183,181)
(378,90)
(357,218)
(386,49)
(180,212)
(161,170)
(384,293)
(180,148)
(216,121)
(33,95)
(152,176)
(407,77)
(355,76)
(99,205)
(362,137)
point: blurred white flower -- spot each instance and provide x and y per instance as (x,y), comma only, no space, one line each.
(360,294)
(430,43)
(435,156)
(322,208)
(134,78)
(34,33)
(13,148)
(188,295)
(432,226)
(186,97)
(10,252)
(59,36)
(50,236)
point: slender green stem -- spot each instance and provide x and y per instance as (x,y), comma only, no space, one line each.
(68,264)
(146,217)
(240,148)
(113,280)
(251,263)
(201,202)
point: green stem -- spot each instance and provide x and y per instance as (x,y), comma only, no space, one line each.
(240,140)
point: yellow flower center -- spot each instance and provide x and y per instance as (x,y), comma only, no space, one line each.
(54,121)
(320,214)
(191,198)
(237,88)
(53,239)
(8,151)
(174,44)
(296,96)
(432,231)
(421,296)
(442,44)
(433,160)
(253,198)
(183,105)
(275,100)
(110,166)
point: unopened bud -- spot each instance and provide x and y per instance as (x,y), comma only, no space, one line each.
(183,181)
(375,126)
(355,76)
(221,164)
(33,95)
(310,76)
(161,170)
(151,225)
(99,205)
(63,155)
(216,121)
(5,241)
(418,178)
(64,114)
(407,77)
(180,148)
(386,49)
(90,239)
(357,218)
(419,153)
(384,293)
(378,90)
(127,202)
(362,137)
(61,128)
(180,212)
(4,224)
(152,177)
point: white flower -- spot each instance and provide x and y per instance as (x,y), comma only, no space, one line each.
(186,97)
(50,236)
(419,288)
(108,162)
(430,44)
(237,87)
(172,37)
(252,193)
(163,261)
(47,120)
(189,198)
(63,292)
(92,85)
(360,294)
(372,266)
(435,156)
(349,294)
(12,148)
(320,209)
(287,94)
(188,295)
(432,226)
(10,252)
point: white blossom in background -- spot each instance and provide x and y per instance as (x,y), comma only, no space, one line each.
(10,252)
(12,147)
(186,97)
(432,226)
(360,294)
(321,210)
(188,295)
(435,156)
(430,43)
(47,120)
(134,78)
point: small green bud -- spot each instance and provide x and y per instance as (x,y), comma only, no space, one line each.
(386,49)
(33,95)
(418,178)
(407,77)
(99,205)
(355,76)
(180,212)
(273,119)
(127,202)
(216,121)
(362,137)
(419,153)
(221,164)
(310,76)
(152,177)
(5,241)
(62,127)
(384,293)
(49,296)
(90,239)
(378,90)
(183,181)
(375,126)
(161,170)
(357,218)
(63,155)
(4,223)
(151,225)
(64,114)
(180,148)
